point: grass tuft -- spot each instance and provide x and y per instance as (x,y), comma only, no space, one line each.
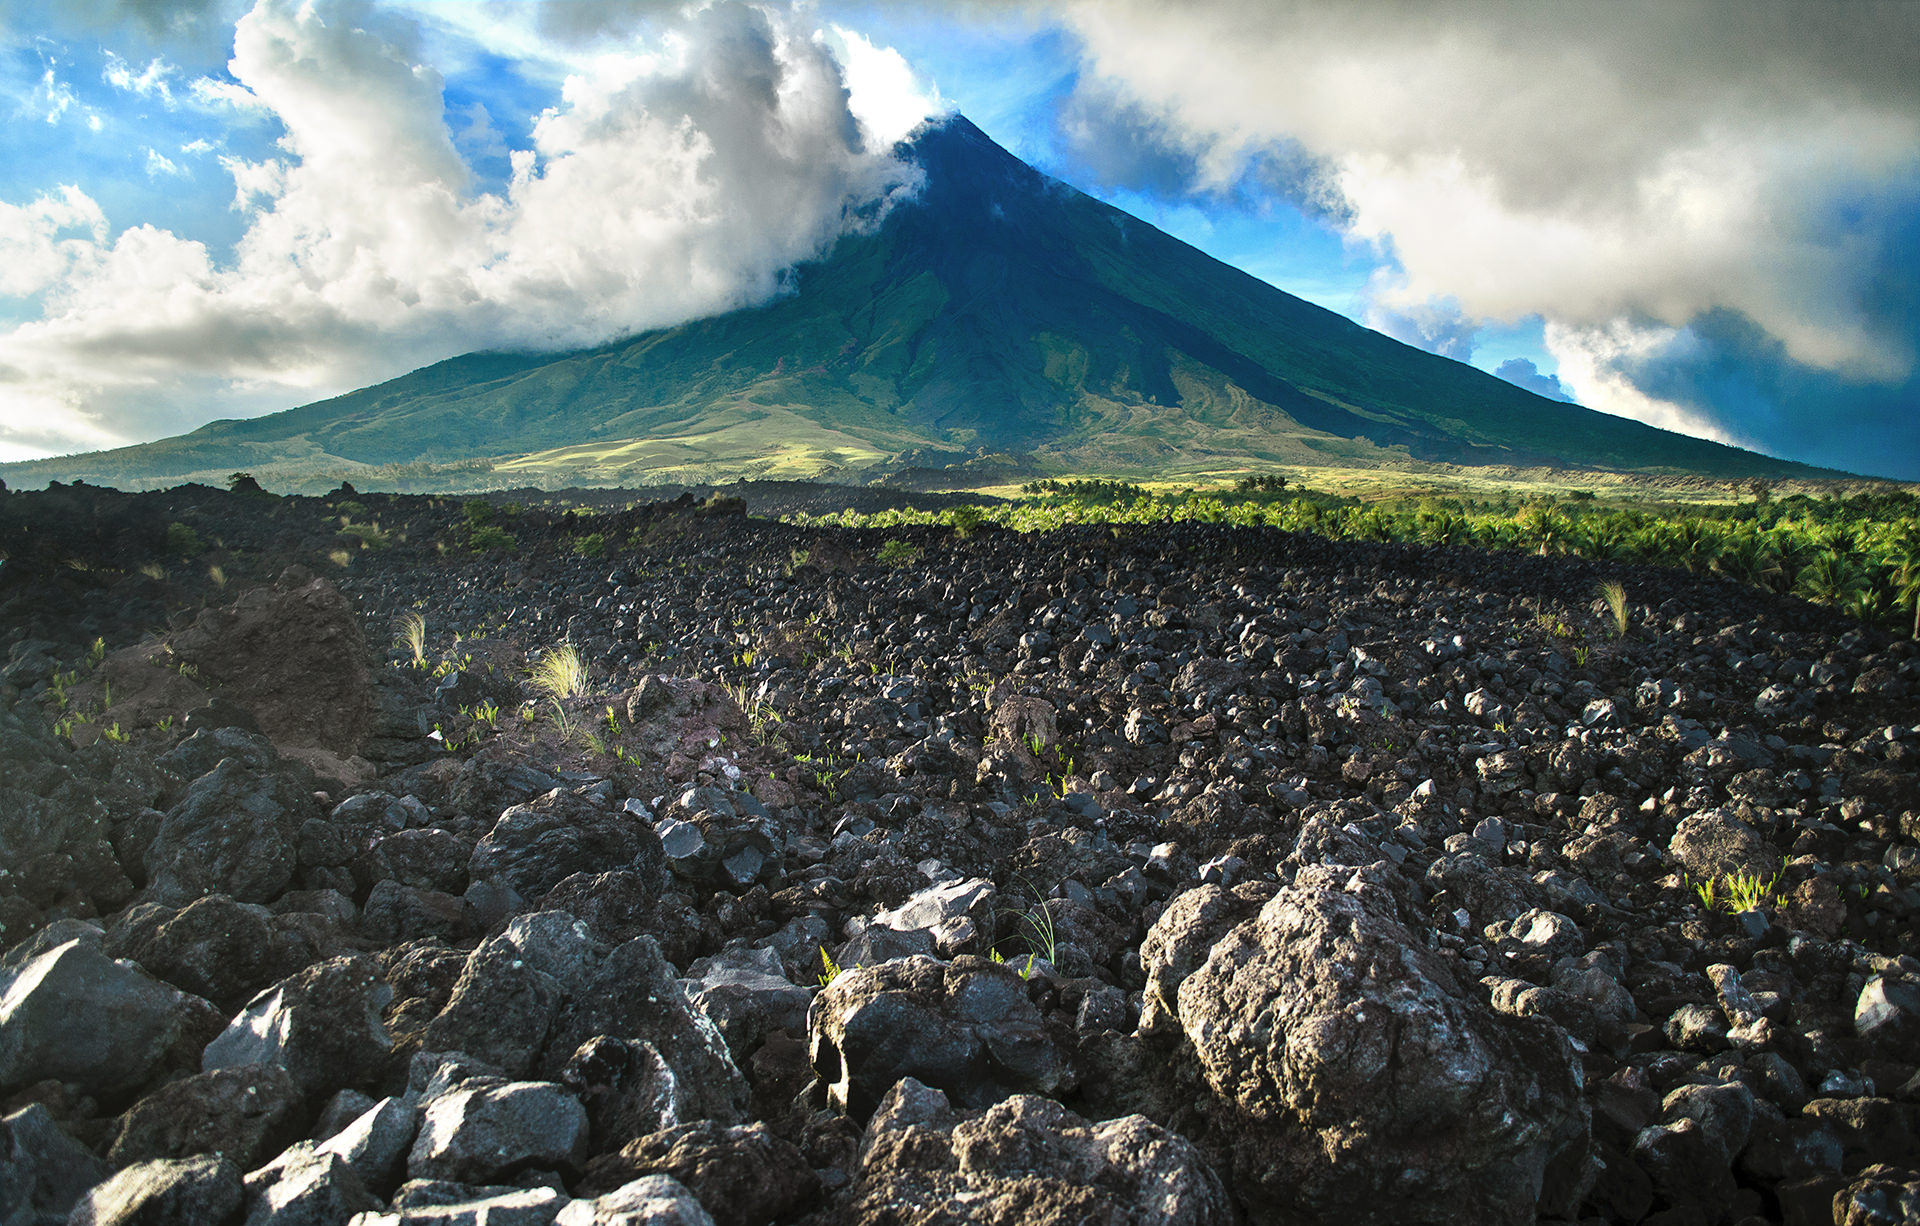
(561,673)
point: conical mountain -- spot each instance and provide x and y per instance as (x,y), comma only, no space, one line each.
(999,311)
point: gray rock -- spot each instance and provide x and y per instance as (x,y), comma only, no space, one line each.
(1714,844)
(444,1204)
(966,1027)
(502,1008)
(746,993)
(635,995)
(374,1145)
(246,1113)
(655,1200)
(558,944)
(234,833)
(481,1134)
(1736,1003)
(1887,1015)
(43,1171)
(534,847)
(213,947)
(321,1025)
(1685,1166)
(626,1087)
(955,913)
(73,1014)
(307,1189)
(744,1176)
(1724,1113)
(1546,934)
(207,747)
(1178,944)
(1697,1028)
(1026,1160)
(202,1191)
(1367,1084)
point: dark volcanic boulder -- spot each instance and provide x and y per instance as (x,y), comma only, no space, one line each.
(70,1013)
(321,1025)
(485,1131)
(42,1169)
(1023,1161)
(247,1113)
(1363,1083)
(966,1027)
(213,947)
(203,1191)
(534,847)
(236,832)
(745,1176)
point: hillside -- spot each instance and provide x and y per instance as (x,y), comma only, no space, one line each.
(1002,311)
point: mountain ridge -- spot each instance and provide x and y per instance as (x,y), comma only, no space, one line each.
(999,310)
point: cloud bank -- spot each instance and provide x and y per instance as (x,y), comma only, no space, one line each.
(1636,178)
(676,179)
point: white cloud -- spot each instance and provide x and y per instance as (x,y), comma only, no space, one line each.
(678,182)
(886,96)
(42,243)
(1676,158)
(149,82)
(159,164)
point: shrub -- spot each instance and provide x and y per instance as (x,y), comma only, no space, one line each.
(182,541)
(897,553)
(479,512)
(490,537)
(593,545)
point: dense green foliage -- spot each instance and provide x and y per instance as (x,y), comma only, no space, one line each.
(1858,554)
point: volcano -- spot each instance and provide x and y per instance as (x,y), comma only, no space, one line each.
(999,313)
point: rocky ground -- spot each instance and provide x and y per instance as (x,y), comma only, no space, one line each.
(1181,874)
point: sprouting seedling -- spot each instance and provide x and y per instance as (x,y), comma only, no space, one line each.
(97,652)
(1707,892)
(613,723)
(832,971)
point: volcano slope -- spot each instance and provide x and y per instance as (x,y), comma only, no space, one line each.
(1186,874)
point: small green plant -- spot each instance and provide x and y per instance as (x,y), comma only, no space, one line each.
(832,968)
(1615,596)
(613,723)
(114,734)
(218,576)
(182,541)
(490,537)
(561,673)
(370,536)
(797,559)
(165,724)
(1747,889)
(1707,892)
(412,638)
(96,653)
(896,553)
(966,520)
(478,512)
(592,545)
(1581,654)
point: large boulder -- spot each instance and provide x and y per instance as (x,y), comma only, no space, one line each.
(633,994)
(43,1171)
(1359,1080)
(1714,844)
(247,1113)
(511,991)
(321,1025)
(201,1191)
(484,1131)
(744,1175)
(652,1200)
(534,847)
(213,947)
(236,832)
(1023,1161)
(746,993)
(965,1027)
(70,1013)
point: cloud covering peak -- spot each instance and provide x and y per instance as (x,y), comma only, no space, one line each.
(680,178)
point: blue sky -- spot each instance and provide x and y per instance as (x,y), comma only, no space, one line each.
(215,208)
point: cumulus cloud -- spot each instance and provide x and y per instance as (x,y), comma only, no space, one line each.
(1521,372)
(678,182)
(1632,174)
